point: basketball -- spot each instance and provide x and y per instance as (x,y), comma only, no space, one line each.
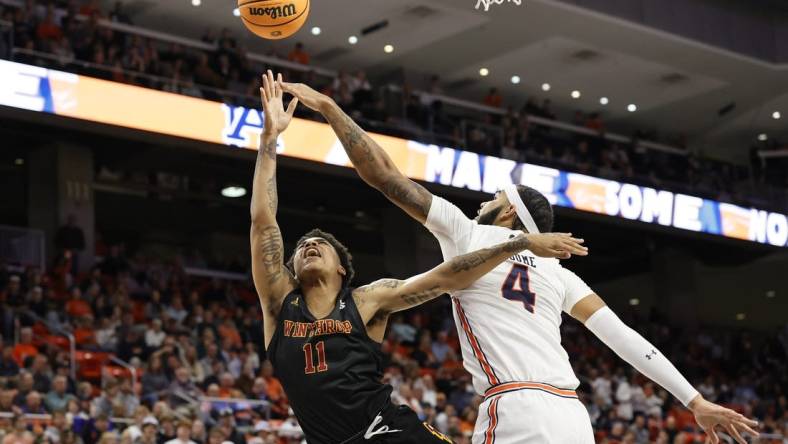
(274,19)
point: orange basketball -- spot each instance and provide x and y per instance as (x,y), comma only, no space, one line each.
(274,19)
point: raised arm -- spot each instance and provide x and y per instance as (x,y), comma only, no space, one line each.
(371,161)
(271,278)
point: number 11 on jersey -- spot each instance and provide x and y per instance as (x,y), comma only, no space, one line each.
(516,287)
(309,368)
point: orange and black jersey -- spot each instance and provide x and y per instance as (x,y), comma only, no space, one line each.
(330,369)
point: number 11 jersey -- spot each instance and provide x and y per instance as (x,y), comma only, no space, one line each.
(330,369)
(509,320)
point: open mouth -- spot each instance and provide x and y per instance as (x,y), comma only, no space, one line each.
(311,252)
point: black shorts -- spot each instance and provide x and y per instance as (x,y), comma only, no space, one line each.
(398,425)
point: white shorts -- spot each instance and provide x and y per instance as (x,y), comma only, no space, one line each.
(526,413)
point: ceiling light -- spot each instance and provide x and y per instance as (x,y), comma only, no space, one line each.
(352,40)
(776,115)
(575,94)
(762,137)
(388,49)
(196,2)
(634,301)
(771,293)
(632,107)
(19,161)
(545,87)
(484,72)
(234,192)
(515,79)
(316,30)
(237,12)
(604,101)
(740,316)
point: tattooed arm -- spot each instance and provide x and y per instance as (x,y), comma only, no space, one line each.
(390,295)
(372,163)
(271,278)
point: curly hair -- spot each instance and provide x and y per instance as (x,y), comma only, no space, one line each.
(345,258)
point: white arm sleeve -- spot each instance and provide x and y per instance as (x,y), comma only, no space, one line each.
(449,225)
(639,353)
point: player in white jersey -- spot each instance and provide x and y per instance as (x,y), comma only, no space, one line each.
(509,320)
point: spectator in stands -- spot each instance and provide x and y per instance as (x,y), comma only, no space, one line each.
(494,98)
(227,425)
(48,31)
(361,90)
(11,299)
(58,398)
(228,332)
(276,392)
(119,15)
(33,404)
(150,430)
(183,433)
(176,310)
(182,384)
(57,427)
(423,354)
(19,433)
(441,349)
(90,8)
(154,336)
(226,385)
(298,54)
(594,122)
(24,348)
(8,365)
(95,429)
(215,436)
(77,306)
(264,431)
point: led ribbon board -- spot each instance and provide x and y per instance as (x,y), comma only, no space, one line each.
(64,94)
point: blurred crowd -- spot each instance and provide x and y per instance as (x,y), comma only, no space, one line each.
(196,350)
(71,33)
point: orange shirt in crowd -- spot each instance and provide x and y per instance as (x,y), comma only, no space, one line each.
(78,308)
(22,351)
(232,333)
(275,389)
(46,31)
(299,56)
(495,100)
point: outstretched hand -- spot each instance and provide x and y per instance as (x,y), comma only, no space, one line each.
(558,245)
(709,416)
(276,118)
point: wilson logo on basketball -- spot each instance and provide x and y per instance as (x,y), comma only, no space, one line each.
(275,12)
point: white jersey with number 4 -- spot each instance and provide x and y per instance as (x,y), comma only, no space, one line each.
(509,319)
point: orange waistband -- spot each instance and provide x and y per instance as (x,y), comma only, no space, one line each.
(507,387)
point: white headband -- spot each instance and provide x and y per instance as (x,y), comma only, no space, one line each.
(519,207)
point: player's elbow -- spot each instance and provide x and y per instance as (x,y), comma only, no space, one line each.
(260,219)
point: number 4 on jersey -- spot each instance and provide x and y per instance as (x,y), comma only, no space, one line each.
(517,288)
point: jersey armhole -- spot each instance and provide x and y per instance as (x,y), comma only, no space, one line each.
(360,320)
(277,328)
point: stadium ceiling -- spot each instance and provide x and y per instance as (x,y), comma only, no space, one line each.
(679,85)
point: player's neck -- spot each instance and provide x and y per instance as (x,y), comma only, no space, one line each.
(320,296)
